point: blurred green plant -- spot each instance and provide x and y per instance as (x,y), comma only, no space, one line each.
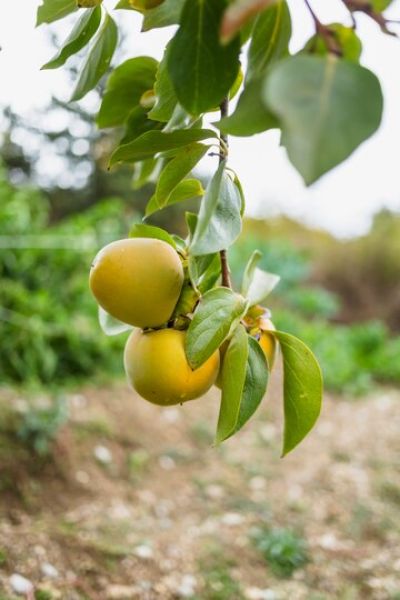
(48,321)
(353,357)
(38,426)
(284,550)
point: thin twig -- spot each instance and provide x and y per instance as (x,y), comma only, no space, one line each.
(225,273)
(325,32)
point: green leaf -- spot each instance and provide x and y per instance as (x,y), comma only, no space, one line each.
(52,10)
(173,173)
(270,39)
(124,5)
(327,108)
(138,230)
(234,369)
(125,86)
(249,271)
(348,43)
(143,172)
(168,13)
(137,124)
(381,5)
(166,99)
(216,316)
(202,71)
(110,325)
(251,115)
(242,389)
(219,221)
(239,14)
(302,389)
(261,285)
(82,33)
(153,142)
(98,60)
(204,271)
(185,190)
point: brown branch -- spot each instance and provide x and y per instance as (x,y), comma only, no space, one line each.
(326,34)
(225,273)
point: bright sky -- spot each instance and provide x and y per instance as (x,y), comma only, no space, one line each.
(342,201)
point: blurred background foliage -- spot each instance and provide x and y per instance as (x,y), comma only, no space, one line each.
(341,297)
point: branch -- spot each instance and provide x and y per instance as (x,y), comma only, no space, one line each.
(223,152)
(322,30)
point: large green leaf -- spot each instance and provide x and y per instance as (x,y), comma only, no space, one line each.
(185,190)
(52,10)
(166,99)
(173,173)
(326,106)
(244,383)
(202,71)
(251,115)
(125,86)
(216,316)
(98,59)
(168,13)
(270,39)
(219,222)
(302,388)
(153,142)
(82,33)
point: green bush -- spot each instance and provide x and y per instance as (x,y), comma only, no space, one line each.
(48,319)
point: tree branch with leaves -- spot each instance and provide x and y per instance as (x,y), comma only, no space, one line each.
(323,101)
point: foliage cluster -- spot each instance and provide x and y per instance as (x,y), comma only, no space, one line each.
(47,318)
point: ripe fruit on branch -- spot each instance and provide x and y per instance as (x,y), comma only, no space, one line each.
(157,367)
(137,281)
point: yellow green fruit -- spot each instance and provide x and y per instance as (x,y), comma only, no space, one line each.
(157,367)
(267,341)
(137,281)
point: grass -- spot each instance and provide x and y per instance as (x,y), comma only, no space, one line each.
(284,550)
(218,582)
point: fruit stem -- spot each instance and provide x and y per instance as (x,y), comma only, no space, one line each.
(223,153)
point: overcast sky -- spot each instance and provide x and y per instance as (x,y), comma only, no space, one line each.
(342,201)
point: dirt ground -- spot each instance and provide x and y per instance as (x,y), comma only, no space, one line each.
(137,503)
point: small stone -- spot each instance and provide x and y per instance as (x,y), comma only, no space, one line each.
(20,584)
(103,455)
(268,432)
(49,571)
(232,519)
(257,483)
(82,477)
(167,463)
(215,491)
(187,586)
(171,415)
(253,593)
(121,592)
(143,551)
